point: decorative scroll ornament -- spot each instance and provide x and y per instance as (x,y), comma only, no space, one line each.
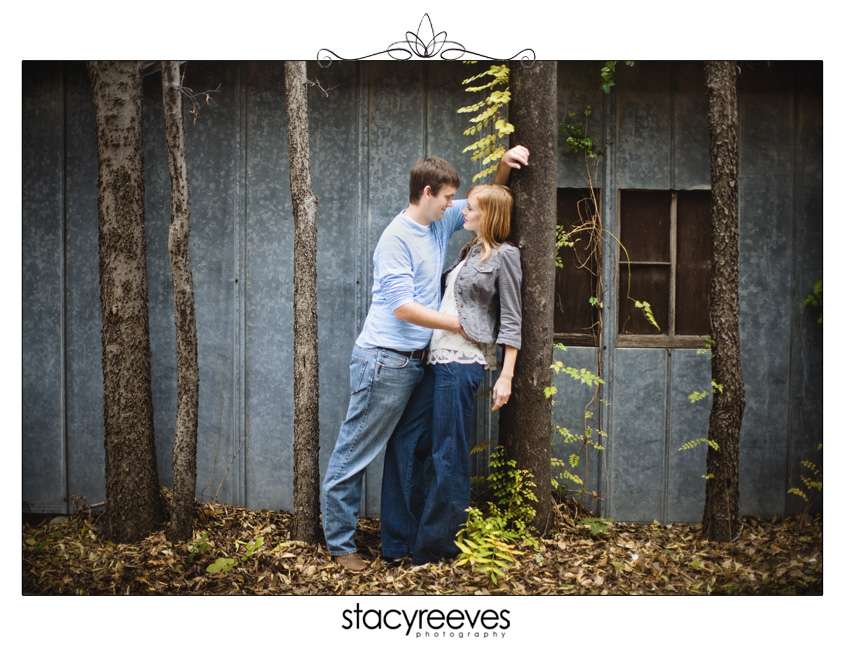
(425,44)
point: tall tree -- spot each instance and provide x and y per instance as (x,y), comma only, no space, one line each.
(187,363)
(306,522)
(720,513)
(526,424)
(133,499)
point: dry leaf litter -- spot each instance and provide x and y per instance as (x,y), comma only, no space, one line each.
(768,557)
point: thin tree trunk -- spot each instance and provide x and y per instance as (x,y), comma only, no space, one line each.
(187,364)
(133,498)
(306,522)
(720,514)
(526,424)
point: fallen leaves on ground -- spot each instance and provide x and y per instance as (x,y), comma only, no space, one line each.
(768,556)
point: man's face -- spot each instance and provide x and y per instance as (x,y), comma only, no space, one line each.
(436,205)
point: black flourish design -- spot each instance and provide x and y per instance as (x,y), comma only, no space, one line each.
(427,47)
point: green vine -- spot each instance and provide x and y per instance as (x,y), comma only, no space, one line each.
(608,75)
(489,111)
(812,480)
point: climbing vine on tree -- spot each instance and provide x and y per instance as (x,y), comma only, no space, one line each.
(489,112)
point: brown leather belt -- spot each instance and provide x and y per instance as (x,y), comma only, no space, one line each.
(417,355)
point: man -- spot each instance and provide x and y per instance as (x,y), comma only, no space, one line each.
(387,359)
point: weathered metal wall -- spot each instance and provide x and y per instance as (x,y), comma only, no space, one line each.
(655,121)
(376,119)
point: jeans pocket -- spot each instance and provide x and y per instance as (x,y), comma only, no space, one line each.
(389,362)
(358,379)
(392,361)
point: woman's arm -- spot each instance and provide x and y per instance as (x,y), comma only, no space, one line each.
(503,386)
(510,297)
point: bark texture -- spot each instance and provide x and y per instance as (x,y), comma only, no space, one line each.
(720,514)
(526,424)
(133,499)
(187,363)
(306,522)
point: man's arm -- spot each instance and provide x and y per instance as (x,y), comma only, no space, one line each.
(512,158)
(427,317)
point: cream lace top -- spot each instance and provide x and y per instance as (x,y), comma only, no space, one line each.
(451,347)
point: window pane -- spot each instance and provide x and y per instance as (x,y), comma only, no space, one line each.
(648,283)
(694,250)
(646,225)
(575,281)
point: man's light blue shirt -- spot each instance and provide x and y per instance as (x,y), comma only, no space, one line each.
(408,263)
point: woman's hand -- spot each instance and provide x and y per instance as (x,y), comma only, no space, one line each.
(501,391)
(503,387)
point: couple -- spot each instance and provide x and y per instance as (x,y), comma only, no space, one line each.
(417,364)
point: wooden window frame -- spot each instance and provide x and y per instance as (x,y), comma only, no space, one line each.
(666,338)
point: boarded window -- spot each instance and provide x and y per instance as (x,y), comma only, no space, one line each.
(667,237)
(575,317)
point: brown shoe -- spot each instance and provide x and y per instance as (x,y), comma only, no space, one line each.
(351,562)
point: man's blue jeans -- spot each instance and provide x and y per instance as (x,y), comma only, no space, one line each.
(436,425)
(381,383)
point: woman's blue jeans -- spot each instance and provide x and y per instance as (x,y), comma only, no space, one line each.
(435,428)
(381,383)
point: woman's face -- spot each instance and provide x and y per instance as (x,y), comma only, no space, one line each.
(472,215)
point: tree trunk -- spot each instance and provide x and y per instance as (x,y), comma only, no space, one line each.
(526,424)
(187,364)
(133,499)
(720,514)
(306,522)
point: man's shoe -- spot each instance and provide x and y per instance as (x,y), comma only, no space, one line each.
(351,562)
(394,562)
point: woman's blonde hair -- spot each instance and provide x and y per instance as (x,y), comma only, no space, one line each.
(496,205)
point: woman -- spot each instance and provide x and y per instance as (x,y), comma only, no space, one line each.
(483,290)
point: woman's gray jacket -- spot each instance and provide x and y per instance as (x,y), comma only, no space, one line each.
(488,295)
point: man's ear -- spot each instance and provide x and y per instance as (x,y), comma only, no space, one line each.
(426,192)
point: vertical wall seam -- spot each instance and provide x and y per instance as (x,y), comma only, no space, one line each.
(792,322)
(666,465)
(63,362)
(239,345)
(672,129)
(609,272)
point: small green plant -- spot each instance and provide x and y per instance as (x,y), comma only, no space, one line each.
(812,485)
(597,524)
(222,565)
(488,543)
(577,138)
(198,547)
(815,299)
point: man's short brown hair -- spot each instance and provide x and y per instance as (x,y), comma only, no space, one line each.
(434,172)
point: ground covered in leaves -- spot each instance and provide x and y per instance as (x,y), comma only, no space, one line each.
(243,552)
